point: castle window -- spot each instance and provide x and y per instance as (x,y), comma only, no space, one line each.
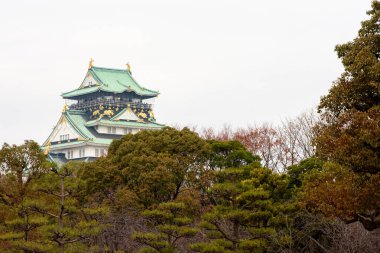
(100,152)
(127,130)
(70,154)
(64,137)
(111,130)
(81,152)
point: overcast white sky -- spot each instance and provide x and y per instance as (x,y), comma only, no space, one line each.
(215,62)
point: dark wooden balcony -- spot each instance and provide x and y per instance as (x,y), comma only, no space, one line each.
(121,103)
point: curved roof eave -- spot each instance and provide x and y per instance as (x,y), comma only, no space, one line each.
(111,80)
(68,96)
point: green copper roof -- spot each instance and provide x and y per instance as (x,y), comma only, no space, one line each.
(107,122)
(78,120)
(66,144)
(111,80)
(80,92)
(75,143)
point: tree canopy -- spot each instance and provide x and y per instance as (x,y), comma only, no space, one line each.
(348,138)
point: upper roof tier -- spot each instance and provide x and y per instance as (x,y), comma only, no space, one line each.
(109,80)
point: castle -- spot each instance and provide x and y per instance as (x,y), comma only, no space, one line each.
(108,104)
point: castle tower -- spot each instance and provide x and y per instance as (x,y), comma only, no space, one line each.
(108,104)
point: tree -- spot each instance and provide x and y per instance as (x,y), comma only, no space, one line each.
(20,167)
(140,172)
(349,133)
(296,137)
(278,146)
(353,140)
(101,180)
(264,141)
(297,172)
(158,165)
(337,191)
(358,87)
(103,186)
(172,223)
(231,153)
(248,204)
(70,222)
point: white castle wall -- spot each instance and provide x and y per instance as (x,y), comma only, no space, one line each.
(89,151)
(118,130)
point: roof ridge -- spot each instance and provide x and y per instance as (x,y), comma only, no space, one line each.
(113,69)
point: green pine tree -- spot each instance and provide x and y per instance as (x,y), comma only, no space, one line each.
(249,207)
(172,223)
(20,167)
(59,200)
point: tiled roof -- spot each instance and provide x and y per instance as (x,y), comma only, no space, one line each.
(79,121)
(111,80)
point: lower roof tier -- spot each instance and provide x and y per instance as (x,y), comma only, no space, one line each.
(75,127)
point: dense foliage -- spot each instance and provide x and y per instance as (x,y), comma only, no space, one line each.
(349,135)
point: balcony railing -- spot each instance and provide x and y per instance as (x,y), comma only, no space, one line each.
(121,103)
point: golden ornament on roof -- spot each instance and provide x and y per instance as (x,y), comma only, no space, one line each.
(108,113)
(95,113)
(90,65)
(142,115)
(47,149)
(65,108)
